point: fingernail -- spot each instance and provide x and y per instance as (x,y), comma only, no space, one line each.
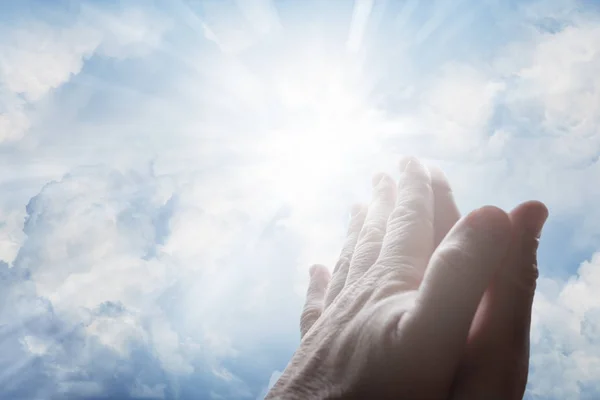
(311,270)
(404,161)
(355,210)
(377,179)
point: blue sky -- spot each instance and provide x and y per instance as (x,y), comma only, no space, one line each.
(170,170)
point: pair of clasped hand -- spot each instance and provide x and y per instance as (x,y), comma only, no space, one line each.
(422,304)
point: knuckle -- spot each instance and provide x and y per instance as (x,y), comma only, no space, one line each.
(410,237)
(372,233)
(386,193)
(342,264)
(399,268)
(333,290)
(412,208)
(399,227)
(356,223)
(456,258)
(315,292)
(416,173)
(309,316)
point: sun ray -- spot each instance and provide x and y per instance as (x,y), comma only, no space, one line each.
(360,18)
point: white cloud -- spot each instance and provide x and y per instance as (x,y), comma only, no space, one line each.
(529,120)
(559,88)
(32,66)
(37,57)
(101,226)
(142,391)
(166,344)
(13,119)
(454,112)
(565,344)
(34,345)
(94,225)
(117,332)
(11,233)
(97,250)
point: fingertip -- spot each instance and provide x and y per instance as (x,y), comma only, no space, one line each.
(492,221)
(357,209)
(439,179)
(446,213)
(384,188)
(378,177)
(537,205)
(532,216)
(413,170)
(312,269)
(405,161)
(318,271)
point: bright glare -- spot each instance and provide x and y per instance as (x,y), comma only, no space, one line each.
(307,98)
(315,120)
(323,115)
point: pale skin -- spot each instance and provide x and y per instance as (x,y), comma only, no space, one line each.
(422,304)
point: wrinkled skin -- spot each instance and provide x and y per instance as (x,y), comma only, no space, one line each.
(421,304)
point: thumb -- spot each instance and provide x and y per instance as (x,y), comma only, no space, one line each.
(315,295)
(517,285)
(528,219)
(500,336)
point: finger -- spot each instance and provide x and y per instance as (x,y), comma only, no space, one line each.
(340,272)
(459,272)
(313,307)
(371,235)
(445,213)
(408,242)
(500,355)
